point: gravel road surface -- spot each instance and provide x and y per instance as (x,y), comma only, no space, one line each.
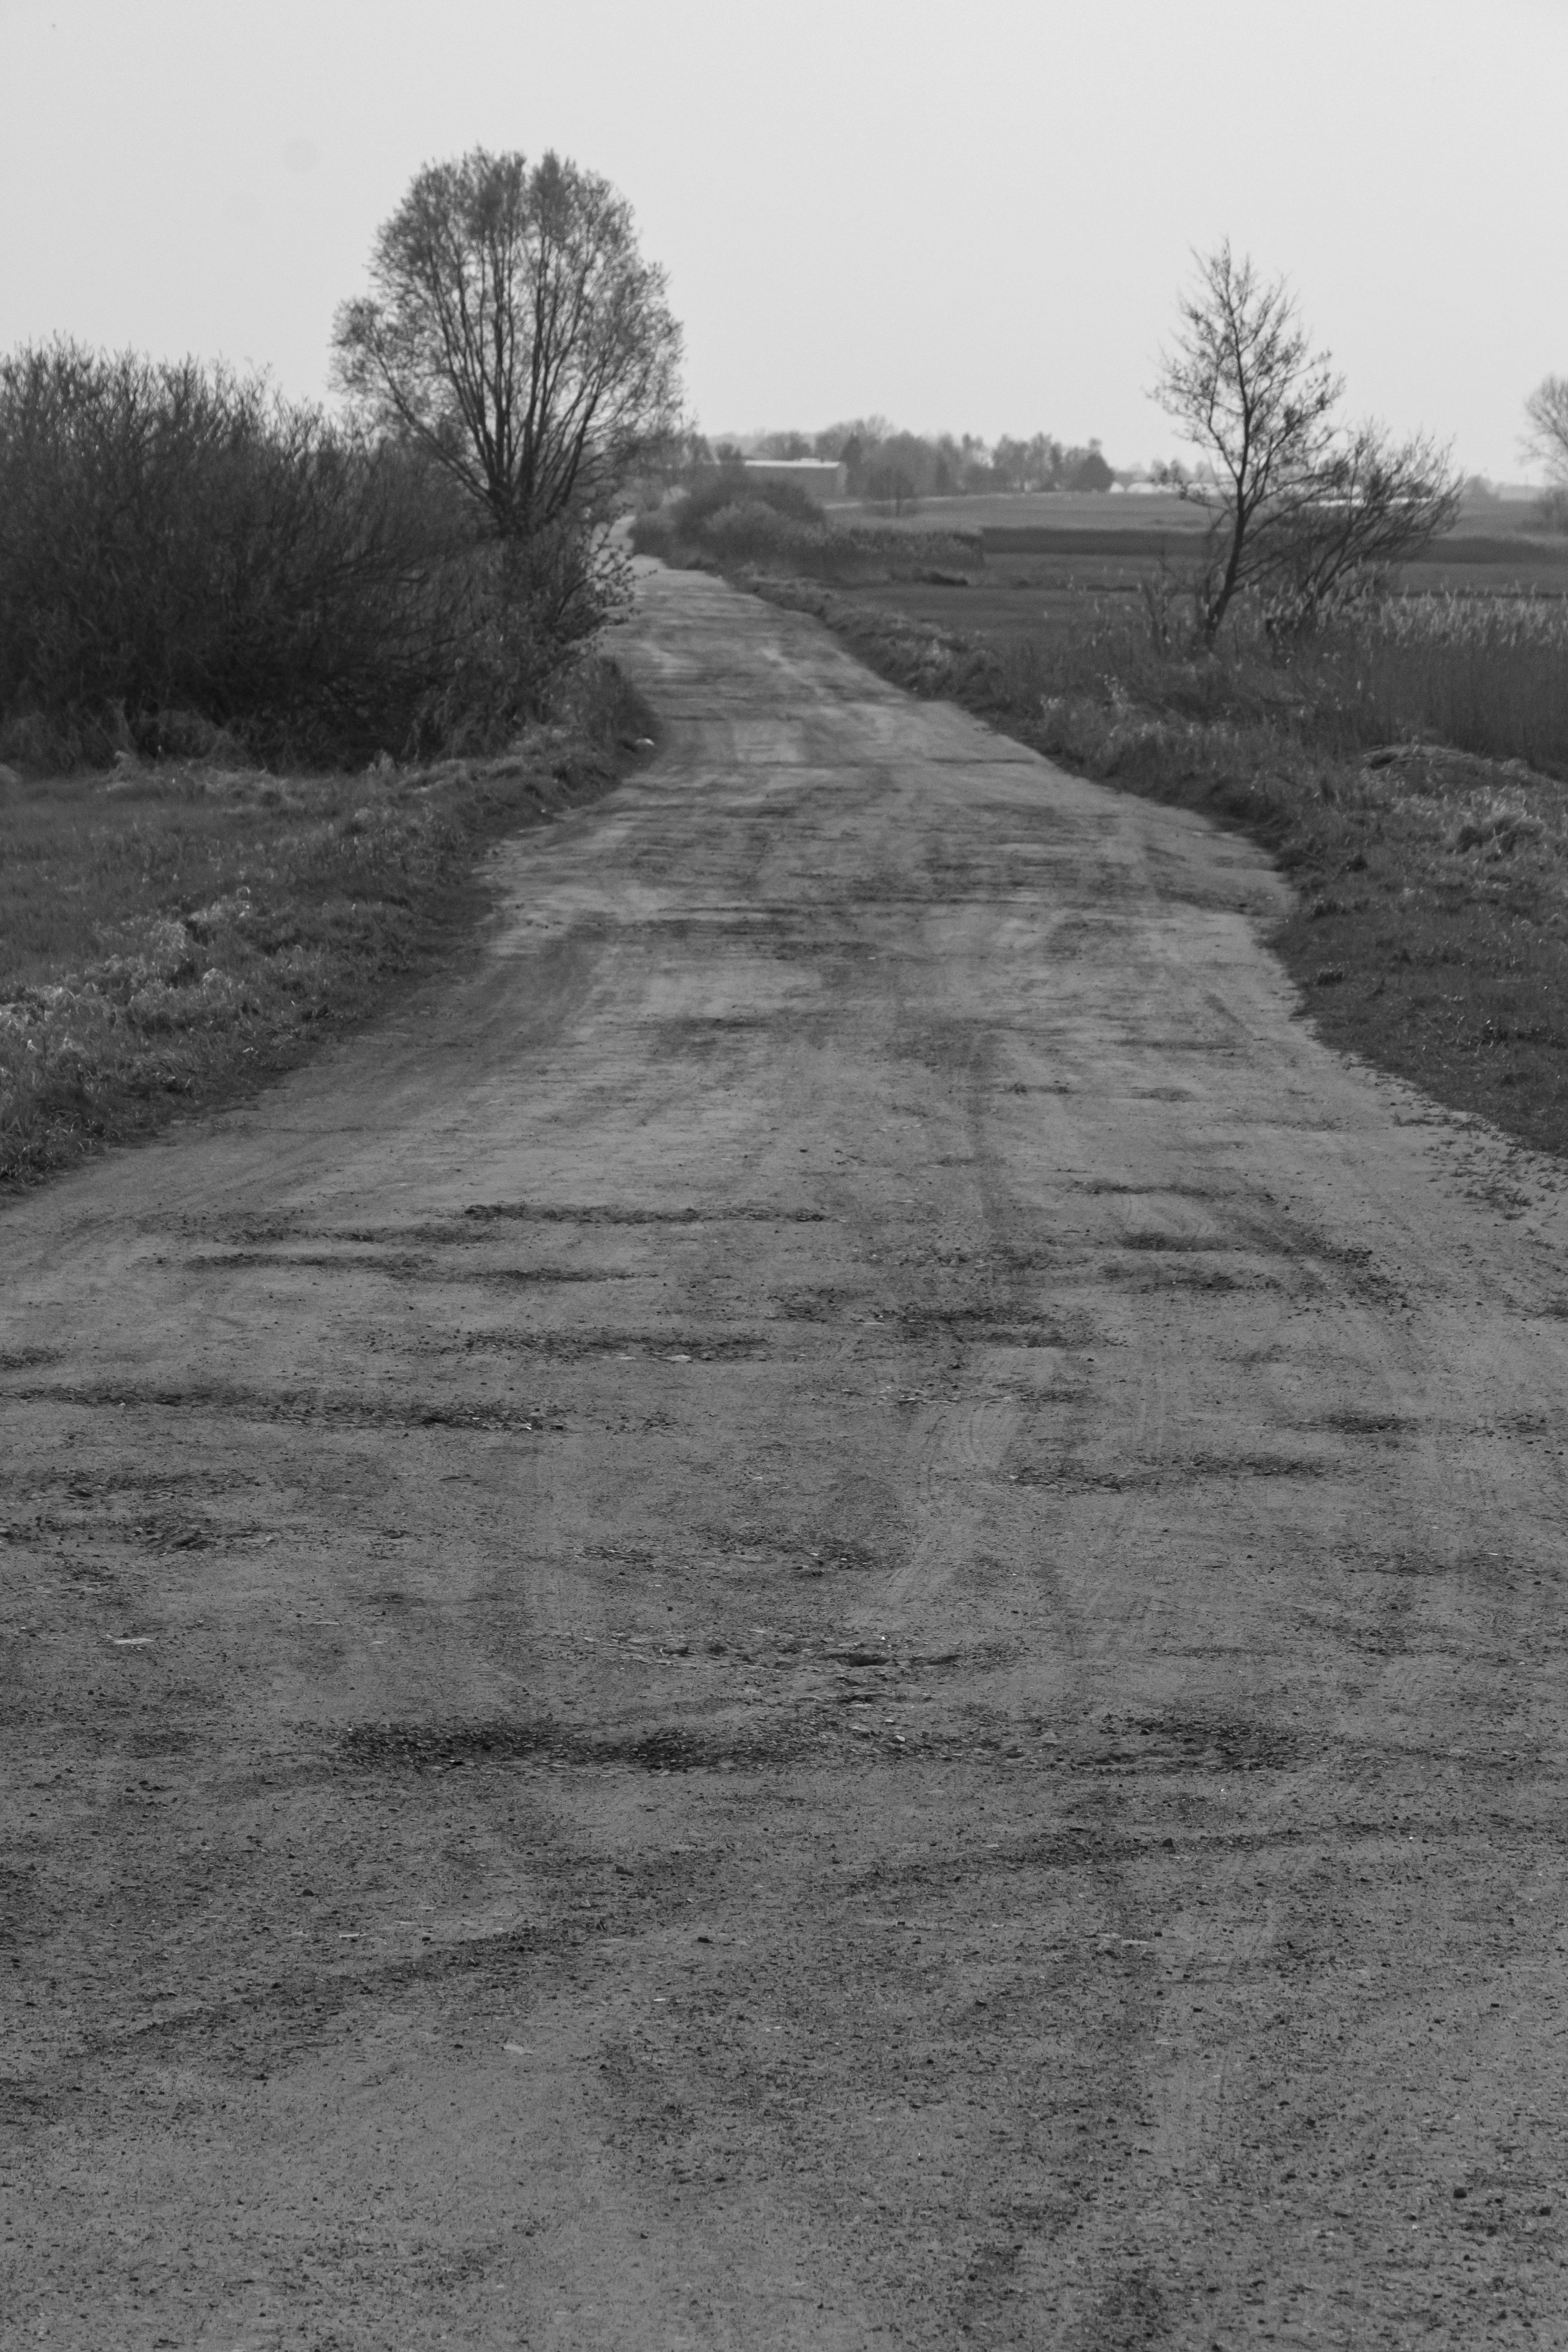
(829,1612)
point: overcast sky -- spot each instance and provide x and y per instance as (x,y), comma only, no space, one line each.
(973,217)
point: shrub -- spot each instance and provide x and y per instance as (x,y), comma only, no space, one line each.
(724,500)
(731,522)
(186,556)
(724,486)
(520,614)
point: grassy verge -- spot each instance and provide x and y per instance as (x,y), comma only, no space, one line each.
(175,932)
(1418,815)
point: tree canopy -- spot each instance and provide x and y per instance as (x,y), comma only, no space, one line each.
(515,332)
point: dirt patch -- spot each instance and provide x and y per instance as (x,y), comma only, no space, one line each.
(668,1747)
(906,1786)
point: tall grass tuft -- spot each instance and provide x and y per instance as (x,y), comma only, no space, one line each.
(1487,676)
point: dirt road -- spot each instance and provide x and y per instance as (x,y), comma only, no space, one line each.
(829,1613)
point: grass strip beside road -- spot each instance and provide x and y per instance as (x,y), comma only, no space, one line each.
(1430,934)
(175,933)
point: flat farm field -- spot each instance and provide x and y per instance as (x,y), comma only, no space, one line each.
(1037,578)
(1031,510)
(1015,597)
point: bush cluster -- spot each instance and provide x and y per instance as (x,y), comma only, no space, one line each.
(186,557)
(729,520)
(732,521)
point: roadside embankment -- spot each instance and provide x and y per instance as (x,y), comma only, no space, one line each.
(179,931)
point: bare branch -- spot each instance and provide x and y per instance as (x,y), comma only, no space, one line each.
(1302,509)
(1246,386)
(1371,503)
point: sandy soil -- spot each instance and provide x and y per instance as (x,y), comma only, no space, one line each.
(830,1613)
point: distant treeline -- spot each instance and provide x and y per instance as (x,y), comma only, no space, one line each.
(894,467)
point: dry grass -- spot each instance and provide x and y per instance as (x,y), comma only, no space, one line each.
(177,932)
(1487,674)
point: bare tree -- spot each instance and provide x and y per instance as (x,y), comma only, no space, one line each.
(1305,510)
(515,332)
(1245,385)
(1547,410)
(1372,502)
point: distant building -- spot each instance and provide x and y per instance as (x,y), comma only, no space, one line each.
(818,477)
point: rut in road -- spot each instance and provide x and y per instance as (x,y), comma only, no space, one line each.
(829,1612)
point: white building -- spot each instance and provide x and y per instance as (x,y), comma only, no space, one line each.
(819,476)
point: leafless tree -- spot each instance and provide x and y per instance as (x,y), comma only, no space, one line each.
(1372,502)
(1547,410)
(1301,507)
(1244,384)
(515,332)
